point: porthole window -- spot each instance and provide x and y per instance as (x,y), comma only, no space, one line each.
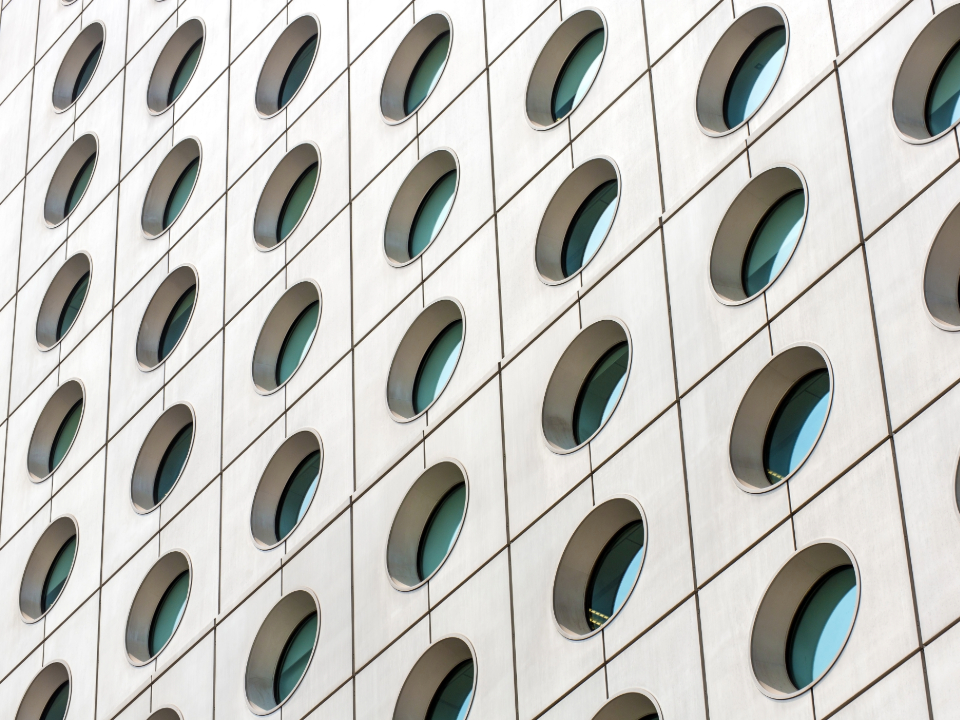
(162,458)
(758,235)
(586,386)
(566,68)
(421,206)
(599,567)
(781,418)
(48,569)
(56,429)
(158,607)
(804,619)
(941,275)
(78,66)
(171,188)
(175,66)
(742,70)
(452,699)
(286,196)
(65,434)
(171,464)
(630,706)
(943,100)
(298,494)
(70,180)
(425,360)
(441,685)
(167,316)
(56,707)
(286,337)
(63,301)
(287,65)
(48,697)
(169,610)
(416,68)
(295,657)
(427,525)
(167,713)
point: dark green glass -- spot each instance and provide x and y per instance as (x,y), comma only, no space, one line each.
(773,242)
(297,342)
(426,73)
(297,494)
(296,202)
(796,425)
(652,716)
(57,574)
(171,464)
(441,530)
(181,192)
(65,435)
(754,76)
(297,71)
(437,366)
(176,322)
(577,74)
(86,72)
(184,72)
(600,392)
(79,185)
(432,213)
(589,227)
(169,611)
(295,657)
(614,574)
(943,99)
(452,699)
(56,707)
(71,308)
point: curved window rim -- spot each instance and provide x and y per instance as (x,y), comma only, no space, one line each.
(103,41)
(44,348)
(199,158)
(193,420)
(428,525)
(83,397)
(942,235)
(76,534)
(203,47)
(186,602)
(93,171)
(286,201)
(170,318)
(632,691)
(260,390)
(66,668)
(166,593)
(253,229)
(268,116)
(286,490)
(166,456)
(443,69)
(57,435)
(196,297)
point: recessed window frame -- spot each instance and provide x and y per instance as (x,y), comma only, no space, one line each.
(55,298)
(633,704)
(164,430)
(146,601)
(188,33)
(70,67)
(277,190)
(37,569)
(65,177)
(164,182)
(406,57)
(48,424)
(274,331)
(157,314)
(266,97)
(431,669)
(41,689)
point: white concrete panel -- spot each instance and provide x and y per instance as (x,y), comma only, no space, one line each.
(18,37)
(20,638)
(188,685)
(37,241)
(368,22)
(941,656)
(14,107)
(247,22)
(75,645)
(584,701)
(214,59)
(145,20)
(331,59)
(112,14)
(11,213)
(668,22)
(853,18)
(378,684)
(56,19)
(46,124)
(508,19)
(103,119)
(901,694)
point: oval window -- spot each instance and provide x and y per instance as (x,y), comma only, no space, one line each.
(172,463)
(773,242)
(432,213)
(65,435)
(295,205)
(943,100)
(577,74)
(184,71)
(169,612)
(451,701)
(180,193)
(297,494)
(297,71)
(614,574)
(754,76)
(426,73)
(176,322)
(796,425)
(589,227)
(441,530)
(821,625)
(79,185)
(58,573)
(86,72)
(437,366)
(295,658)
(56,707)
(297,342)
(600,392)
(71,308)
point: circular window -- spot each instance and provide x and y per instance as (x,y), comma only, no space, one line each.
(804,619)
(941,275)
(742,70)
(781,418)
(586,386)
(287,65)
(158,607)
(427,525)
(286,337)
(78,67)
(282,651)
(925,95)
(162,458)
(566,68)
(56,430)
(758,235)
(416,68)
(63,301)
(48,697)
(599,567)
(171,188)
(286,196)
(441,685)
(577,220)
(175,66)
(425,360)
(48,569)
(70,180)
(630,706)
(166,318)
(286,490)
(421,207)
(166,714)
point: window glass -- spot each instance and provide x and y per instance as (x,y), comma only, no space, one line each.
(294,658)
(589,227)
(296,202)
(796,425)
(71,308)
(86,72)
(184,72)
(297,71)
(426,74)
(614,574)
(441,529)
(56,707)
(437,366)
(168,612)
(452,699)
(600,392)
(79,185)
(297,494)
(773,242)
(297,342)
(65,434)
(432,213)
(57,574)
(177,322)
(754,76)
(821,625)
(577,74)
(171,465)
(180,193)
(943,100)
